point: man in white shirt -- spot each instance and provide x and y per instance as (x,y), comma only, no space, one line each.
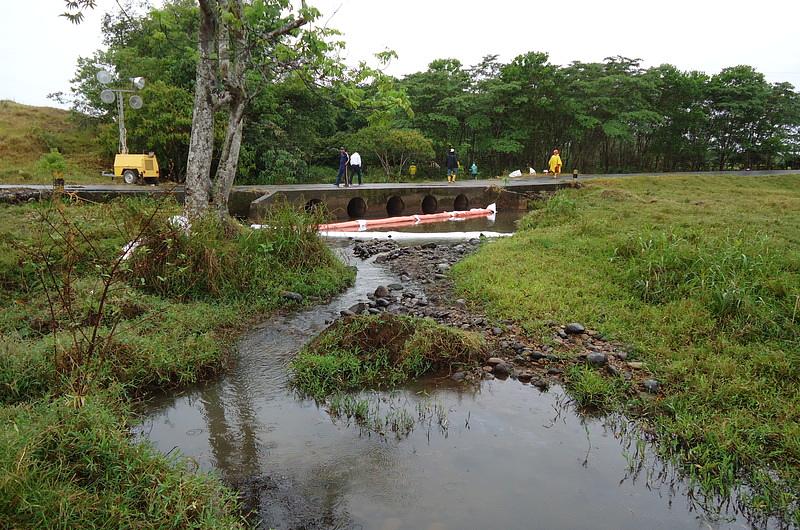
(355,166)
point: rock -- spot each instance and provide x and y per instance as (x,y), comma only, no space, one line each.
(613,370)
(294,297)
(573,328)
(562,334)
(488,376)
(636,365)
(651,385)
(541,384)
(443,267)
(381,291)
(439,276)
(408,294)
(492,361)
(382,302)
(534,355)
(555,371)
(621,355)
(460,303)
(347,313)
(458,376)
(520,359)
(525,377)
(502,370)
(374,311)
(596,358)
(358,308)
(395,287)
(405,278)
(465,326)
(497,331)
(429,246)
(487,368)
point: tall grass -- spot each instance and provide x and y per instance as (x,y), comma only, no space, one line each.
(66,459)
(700,277)
(379,351)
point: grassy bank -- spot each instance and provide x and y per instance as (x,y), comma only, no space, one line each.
(26,133)
(701,277)
(168,319)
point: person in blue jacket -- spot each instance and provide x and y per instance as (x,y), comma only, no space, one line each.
(344,158)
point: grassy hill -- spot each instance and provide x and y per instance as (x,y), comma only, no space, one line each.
(26,133)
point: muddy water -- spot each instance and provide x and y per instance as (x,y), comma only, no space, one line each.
(503,221)
(504,456)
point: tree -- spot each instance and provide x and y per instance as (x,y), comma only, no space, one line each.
(392,148)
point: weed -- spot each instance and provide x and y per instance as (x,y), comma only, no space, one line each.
(379,351)
(701,277)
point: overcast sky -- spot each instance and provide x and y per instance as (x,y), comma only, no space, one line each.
(38,48)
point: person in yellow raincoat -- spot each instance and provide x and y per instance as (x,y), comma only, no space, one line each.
(555,164)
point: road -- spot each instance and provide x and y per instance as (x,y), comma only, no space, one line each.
(526,180)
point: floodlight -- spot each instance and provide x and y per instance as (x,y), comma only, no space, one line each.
(138,82)
(136,102)
(104,77)
(107,96)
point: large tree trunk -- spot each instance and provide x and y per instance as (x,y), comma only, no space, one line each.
(201,143)
(229,160)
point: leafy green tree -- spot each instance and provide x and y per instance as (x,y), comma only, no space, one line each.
(392,148)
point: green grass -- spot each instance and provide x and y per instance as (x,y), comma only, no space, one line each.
(66,458)
(379,351)
(701,277)
(26,133)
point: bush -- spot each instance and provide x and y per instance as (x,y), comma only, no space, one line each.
(226,261)
(381,351)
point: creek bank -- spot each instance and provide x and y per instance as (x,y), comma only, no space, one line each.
(427,291)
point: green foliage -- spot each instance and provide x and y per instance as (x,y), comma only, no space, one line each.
(556,210)
(219,260)
(393,149)
(379,351)
(592,390)
(66,456)
(52,163)
(77,468)
(700,276)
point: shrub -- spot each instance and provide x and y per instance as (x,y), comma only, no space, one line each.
(380,351)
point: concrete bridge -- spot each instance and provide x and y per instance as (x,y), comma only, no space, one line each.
(369,200)
(390,200)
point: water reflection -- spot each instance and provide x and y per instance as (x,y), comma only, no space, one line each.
(511,456)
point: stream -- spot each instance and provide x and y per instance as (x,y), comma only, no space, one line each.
(500,454)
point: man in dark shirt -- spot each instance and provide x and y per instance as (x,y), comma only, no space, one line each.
(344,158)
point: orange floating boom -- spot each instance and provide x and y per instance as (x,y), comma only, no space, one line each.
(361,225)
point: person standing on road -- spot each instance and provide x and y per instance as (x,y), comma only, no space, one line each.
(451,163)
(473,170)
(355,167)
(344,158)
(555,164)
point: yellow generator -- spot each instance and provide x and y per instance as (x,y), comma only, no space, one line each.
(137,169)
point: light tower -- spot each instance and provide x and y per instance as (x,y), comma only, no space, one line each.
(109,95)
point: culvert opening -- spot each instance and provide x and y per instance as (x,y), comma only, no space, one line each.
(429,204)
(395,206)
(356,208)
(313,205)
(461,203)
